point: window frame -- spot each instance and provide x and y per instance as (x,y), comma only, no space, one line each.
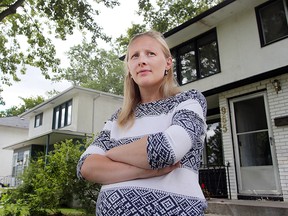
(40,118)
(62,115)
(260,24)
(194,42)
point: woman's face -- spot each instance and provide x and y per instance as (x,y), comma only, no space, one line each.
(147,63)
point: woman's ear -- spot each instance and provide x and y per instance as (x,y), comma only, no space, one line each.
(169,63)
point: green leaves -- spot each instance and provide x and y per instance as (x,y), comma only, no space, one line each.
(95,68)
(164,15)
(29,103)
(50,182)
(27,27)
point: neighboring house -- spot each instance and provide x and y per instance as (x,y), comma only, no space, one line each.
(237,54)
(12,130)
(76,113)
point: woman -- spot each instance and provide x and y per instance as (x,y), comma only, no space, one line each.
(148,154)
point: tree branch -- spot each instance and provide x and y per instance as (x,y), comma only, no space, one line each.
(11,9)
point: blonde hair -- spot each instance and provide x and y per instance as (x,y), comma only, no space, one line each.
(132,95)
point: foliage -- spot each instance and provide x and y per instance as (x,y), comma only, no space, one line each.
(29,103)
(51,182)
(214,147)
(123,41)
(28,26)
(94,68)
(164,15)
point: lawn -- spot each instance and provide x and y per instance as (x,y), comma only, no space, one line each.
(64,211)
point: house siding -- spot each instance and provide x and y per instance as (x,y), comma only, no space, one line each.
(278,108)
(9,135)
(277,104)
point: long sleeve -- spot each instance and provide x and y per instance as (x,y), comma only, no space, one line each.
(187,130)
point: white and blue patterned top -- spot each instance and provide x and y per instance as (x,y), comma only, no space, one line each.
(176,130)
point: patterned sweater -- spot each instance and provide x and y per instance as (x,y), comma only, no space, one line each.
(176,130)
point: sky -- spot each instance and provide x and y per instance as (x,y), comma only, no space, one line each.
(114,22)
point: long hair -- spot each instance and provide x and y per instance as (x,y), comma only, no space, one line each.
(132,95)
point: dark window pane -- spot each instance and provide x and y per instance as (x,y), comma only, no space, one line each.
(56,117)
(63,113)
(187,64)
(214,149)
(274,21)
(69,113)
(208,55)
(253,111)
(254,149)
(38,120)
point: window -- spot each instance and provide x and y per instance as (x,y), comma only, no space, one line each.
(197,58)
(272,18)
(62,115)
(213,153)
(38,120)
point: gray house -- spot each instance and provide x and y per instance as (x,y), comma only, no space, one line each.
(237,54)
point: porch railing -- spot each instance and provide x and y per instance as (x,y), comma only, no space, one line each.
(213,180)
(6,181)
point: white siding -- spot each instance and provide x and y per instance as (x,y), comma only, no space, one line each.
(240,51)
(9,135)
(277,105)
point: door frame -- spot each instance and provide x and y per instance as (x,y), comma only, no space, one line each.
(271,140)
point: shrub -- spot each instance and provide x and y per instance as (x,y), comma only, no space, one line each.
(50,182)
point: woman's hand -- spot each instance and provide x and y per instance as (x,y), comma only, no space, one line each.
(149,173)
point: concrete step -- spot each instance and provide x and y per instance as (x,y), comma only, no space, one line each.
(246,208)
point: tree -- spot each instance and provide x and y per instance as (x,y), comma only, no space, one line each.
(29,103)
(94,68)
(163,15)
(214,147)
(51,182)
(28,26)
(123,41)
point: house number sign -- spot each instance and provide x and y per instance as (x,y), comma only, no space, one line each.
(224,119)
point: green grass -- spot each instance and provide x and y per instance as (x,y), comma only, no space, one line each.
(65,211)
(73,212)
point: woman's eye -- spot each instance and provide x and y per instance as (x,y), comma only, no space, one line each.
(134,56)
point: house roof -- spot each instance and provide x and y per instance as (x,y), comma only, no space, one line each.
(14,121)
(66,95)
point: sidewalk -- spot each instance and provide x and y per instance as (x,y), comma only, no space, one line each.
(225,207)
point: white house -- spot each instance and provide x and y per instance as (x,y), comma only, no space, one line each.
(237,54)
(75,113)
(12,130)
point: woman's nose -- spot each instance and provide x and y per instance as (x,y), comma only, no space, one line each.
(142,60)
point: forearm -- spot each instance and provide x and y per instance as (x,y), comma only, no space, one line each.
(101,169)
(134,153)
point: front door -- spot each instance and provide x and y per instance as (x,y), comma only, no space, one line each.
(256,166)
